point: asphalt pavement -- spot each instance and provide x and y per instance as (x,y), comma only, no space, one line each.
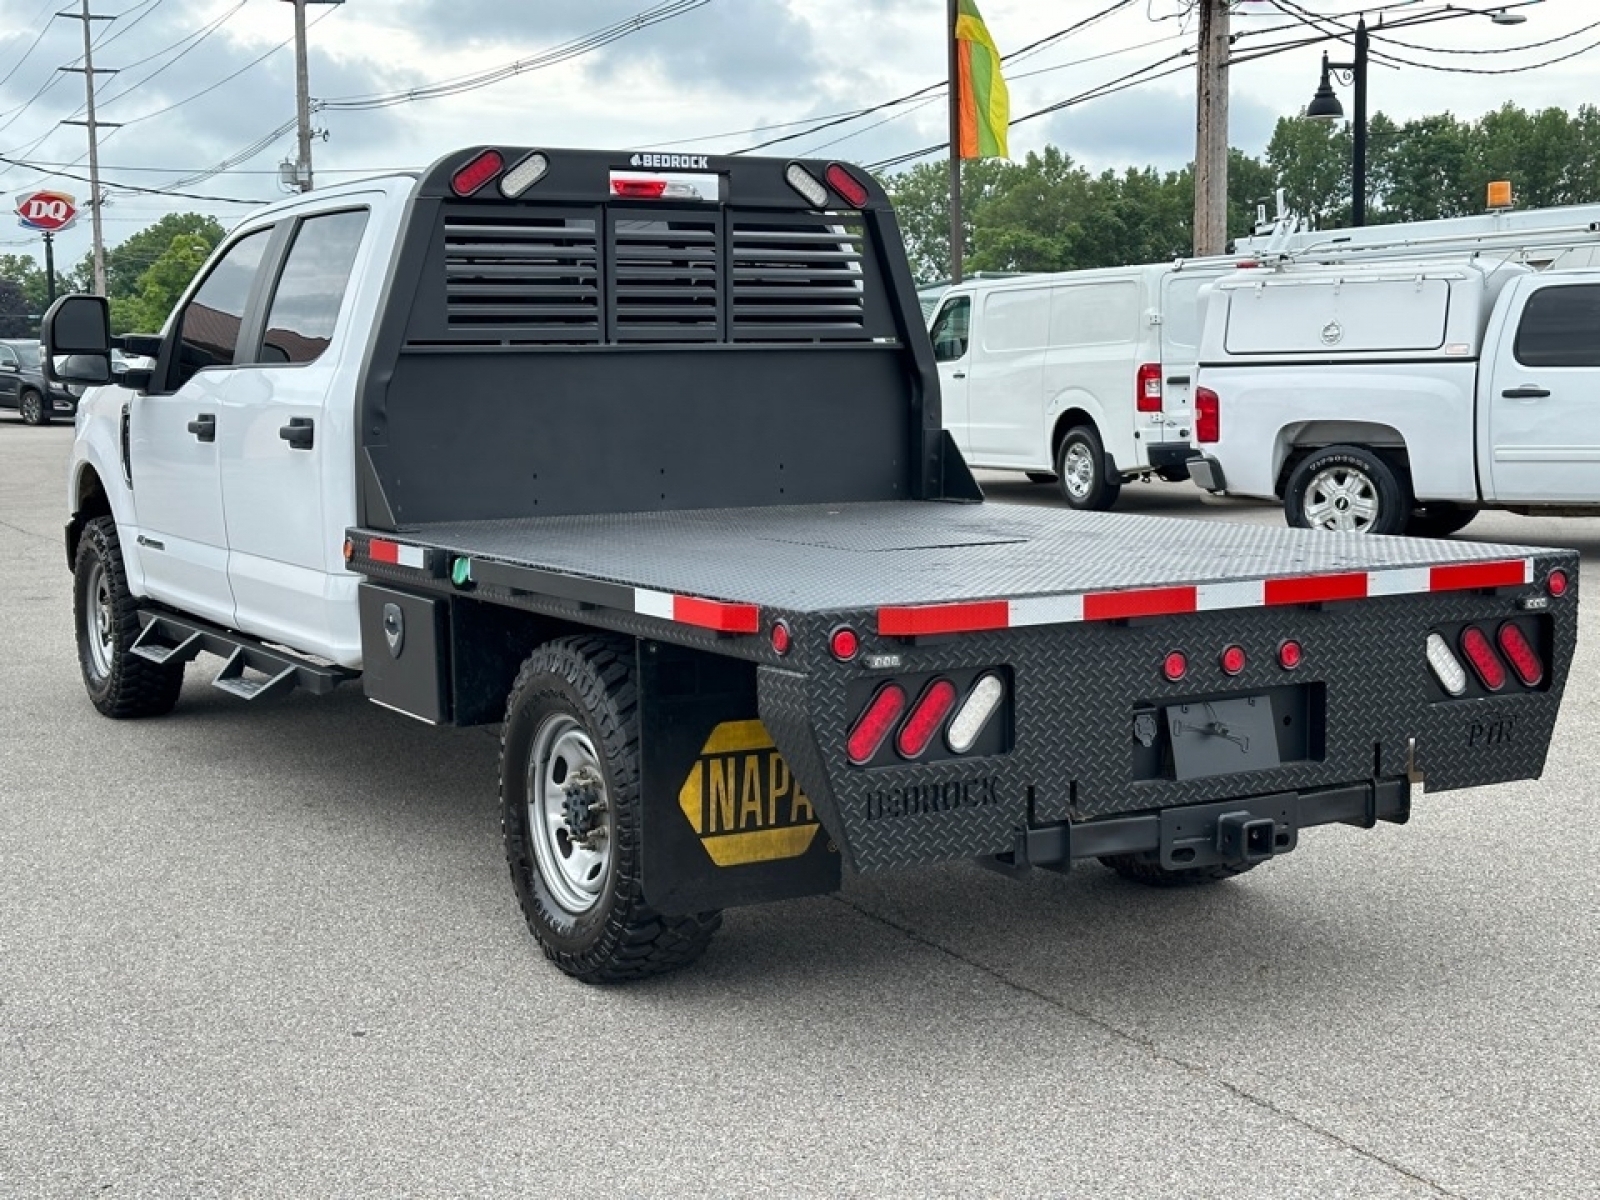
(273,951)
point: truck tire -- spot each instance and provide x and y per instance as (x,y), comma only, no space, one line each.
(1151,873)
(106,617)
(33,409)
(1439,520)
(1081,466)
(1348,489)
(571,819)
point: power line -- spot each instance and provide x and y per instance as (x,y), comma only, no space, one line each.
(121,187)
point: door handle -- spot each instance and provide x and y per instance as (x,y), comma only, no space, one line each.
(299,433)
(958,374)
(1525,393)
(204,428)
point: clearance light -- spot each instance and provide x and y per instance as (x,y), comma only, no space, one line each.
(1290,655)
(524,175)
(477,173)
(461,571)
(975,713)
(1556,584)
(638,189)
(781,641)
(1147,391)
(1233,660)
(847,185)
(875,723)
(1485,662)
(1521,655)
(1447,668)
(807,185)
(349,549)
(1176,666)
(844,644)
(934,705)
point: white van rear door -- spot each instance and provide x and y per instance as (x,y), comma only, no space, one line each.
(1181,320)
(952,350)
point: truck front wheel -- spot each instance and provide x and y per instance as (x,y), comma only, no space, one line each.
(1081,466)
(1348,489)
(106,616)
(1148,871)
(570,815)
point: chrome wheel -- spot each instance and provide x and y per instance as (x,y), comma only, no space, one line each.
(31,411)
(1077,471)
(98,619)
(569,814)
(1342,498)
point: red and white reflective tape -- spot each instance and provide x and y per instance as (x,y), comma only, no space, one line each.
(975,616)
(397,554)
(693,610)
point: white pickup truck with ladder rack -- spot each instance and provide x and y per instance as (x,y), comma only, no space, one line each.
(648,466)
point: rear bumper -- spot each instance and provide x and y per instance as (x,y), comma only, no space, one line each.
(1207,472)
(1170,457)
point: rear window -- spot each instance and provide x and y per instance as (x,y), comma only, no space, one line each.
(1561,327)
(1094,314)
(1180,312)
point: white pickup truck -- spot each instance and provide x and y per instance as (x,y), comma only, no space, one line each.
(1402,397)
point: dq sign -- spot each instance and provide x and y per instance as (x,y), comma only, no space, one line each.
(47,212)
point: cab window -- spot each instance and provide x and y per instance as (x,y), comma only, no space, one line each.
(1561,327)
(8,358)
(208,329)
(950,330)
(310,292)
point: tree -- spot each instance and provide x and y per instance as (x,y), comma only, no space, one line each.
(160,286)
(128,261)
(15,321)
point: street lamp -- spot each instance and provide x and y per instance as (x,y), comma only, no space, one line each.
(1325,104)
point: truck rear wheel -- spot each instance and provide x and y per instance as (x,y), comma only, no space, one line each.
(1347,489)
(570,816)
(1151,873)
(106,617)
(1081,466)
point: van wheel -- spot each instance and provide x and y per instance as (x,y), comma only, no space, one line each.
(1347,489)
(1439,519)
(32,408)
(570,816)
(1081,466)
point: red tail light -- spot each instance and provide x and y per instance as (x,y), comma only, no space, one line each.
(847,185)
(639,189)
(1556,584)
(1176,666)
(1207,415)
(1147,394)
(477,173)
(843,643)
(1233,660)
(875,723)
(1485,662)
(937,699)
(1290,655)
(1521,655)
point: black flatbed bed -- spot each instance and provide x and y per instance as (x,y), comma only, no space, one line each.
(839,557)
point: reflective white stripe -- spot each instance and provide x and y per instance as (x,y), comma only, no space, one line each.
(1399,583)
(1239,593)
(412,556)
(1046,610)
(653,604)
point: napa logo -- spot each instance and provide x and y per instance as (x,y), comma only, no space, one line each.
(670,162)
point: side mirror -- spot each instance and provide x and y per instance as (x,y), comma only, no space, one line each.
(77,332)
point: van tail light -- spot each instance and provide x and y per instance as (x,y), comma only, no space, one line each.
(1519,652)
(1447,669)
(927,716)
(1485,662)
(874,725)
(1207,415)
(1147,395)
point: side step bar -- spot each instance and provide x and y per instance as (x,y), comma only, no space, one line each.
(166,638)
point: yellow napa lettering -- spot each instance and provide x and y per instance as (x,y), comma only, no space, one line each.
(736,794)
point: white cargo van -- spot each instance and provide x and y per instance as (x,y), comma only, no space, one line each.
(1394,397)
(1082,377)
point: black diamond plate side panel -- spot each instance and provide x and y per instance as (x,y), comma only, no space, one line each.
(1077,687)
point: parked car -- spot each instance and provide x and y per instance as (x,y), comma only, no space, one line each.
(23,387)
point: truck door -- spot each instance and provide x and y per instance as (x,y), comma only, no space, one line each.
(173,430)
(286,457)
(1005,396)
(1544,393)
(951,333)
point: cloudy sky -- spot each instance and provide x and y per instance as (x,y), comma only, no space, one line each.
(201,83)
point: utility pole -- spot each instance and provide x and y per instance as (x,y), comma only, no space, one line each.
(1211,129)
(88,20)
(302,88)
(957,234)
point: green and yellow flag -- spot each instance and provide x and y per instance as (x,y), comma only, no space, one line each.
(985,104)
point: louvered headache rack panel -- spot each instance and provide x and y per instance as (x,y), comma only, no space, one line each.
(616,274)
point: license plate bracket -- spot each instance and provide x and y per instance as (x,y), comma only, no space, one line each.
(1222,736)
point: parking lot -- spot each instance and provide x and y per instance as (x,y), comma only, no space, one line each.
(272,950)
